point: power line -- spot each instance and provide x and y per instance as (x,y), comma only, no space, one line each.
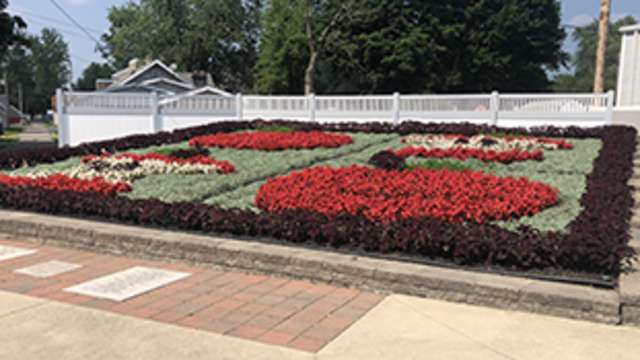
(26,13)
(66,14)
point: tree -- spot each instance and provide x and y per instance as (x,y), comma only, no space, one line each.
(10,27)
(283,54)
(218,36)
(582,64)
(93,72)
(51,67)
(603,35)
(19,61)
(418,45)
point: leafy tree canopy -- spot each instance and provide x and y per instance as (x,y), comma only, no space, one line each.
(418,46)
(218,36)
(93,72)
(10,27)
(583,61)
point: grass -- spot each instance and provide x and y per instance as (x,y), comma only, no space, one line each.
(10,135)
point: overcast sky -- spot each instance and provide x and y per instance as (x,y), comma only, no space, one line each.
(92,15)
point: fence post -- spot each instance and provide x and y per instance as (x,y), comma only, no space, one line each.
(396,108)
(156,121)
(495,107)
(609,114)
(63,120)
(312,107)
(239,107)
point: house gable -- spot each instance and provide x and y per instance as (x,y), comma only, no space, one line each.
(154,70)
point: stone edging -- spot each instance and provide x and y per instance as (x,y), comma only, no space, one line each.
(571,301)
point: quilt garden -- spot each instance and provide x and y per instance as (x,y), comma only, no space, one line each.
(545,200)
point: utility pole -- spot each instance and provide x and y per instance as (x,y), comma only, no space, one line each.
(603,37)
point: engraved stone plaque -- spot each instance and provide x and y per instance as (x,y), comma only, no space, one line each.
(128,283)
(48,269)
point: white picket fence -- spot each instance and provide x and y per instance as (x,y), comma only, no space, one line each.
(85,117)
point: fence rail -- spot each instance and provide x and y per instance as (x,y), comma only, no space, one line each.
(83,113)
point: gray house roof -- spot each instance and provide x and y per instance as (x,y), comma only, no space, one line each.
(141,76)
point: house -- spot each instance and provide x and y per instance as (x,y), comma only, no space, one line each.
(155,76)
(9,114)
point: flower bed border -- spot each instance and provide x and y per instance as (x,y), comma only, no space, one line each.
(597,241)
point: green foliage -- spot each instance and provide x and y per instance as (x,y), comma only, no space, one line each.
(438,164)
(93,72)
(584,60)
(251,166)
(40,65)
(275,128)
(10,29)
(283,52)
(417,46)
(218,36)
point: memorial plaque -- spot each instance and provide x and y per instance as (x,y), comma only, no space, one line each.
(48,269)
(10,252)
(128,283)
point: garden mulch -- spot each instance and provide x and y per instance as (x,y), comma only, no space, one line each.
(273,310)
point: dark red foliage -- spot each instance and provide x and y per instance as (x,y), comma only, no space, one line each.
(387,160)
(595,243)
(460,153)
(391,195)
(272,140)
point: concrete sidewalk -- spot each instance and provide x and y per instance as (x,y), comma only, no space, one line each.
(223,314)
(400,327)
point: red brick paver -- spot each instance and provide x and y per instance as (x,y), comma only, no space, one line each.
(272,310)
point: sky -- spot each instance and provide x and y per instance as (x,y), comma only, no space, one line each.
(92,15)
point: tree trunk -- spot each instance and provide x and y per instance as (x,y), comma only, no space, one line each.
(310,74)
(603,35)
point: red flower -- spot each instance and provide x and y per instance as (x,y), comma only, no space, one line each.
(62,182)
(268,140)
(224,167)
(388,195)
(506,157)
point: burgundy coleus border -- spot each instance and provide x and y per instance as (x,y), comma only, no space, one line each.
(596,241)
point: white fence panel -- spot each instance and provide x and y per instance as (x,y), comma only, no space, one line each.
(555,109)
(354,108)
(276,107)
(107,103)
(447,108)
(99,116)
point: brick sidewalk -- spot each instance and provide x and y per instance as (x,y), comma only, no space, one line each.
(272,310)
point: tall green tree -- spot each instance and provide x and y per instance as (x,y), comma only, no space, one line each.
(93,72)
(51,68)
(421,46)
(582,63)
(218,36)
(19,69)
(10,27)
(284,52)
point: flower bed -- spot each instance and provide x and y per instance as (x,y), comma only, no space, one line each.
(62,182)
(594,242)
(504,149)
(389,195)
(272,140)
(461,153)
(127,167)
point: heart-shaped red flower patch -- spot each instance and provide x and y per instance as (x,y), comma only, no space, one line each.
(388,195)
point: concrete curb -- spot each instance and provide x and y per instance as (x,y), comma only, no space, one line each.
(564,300)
